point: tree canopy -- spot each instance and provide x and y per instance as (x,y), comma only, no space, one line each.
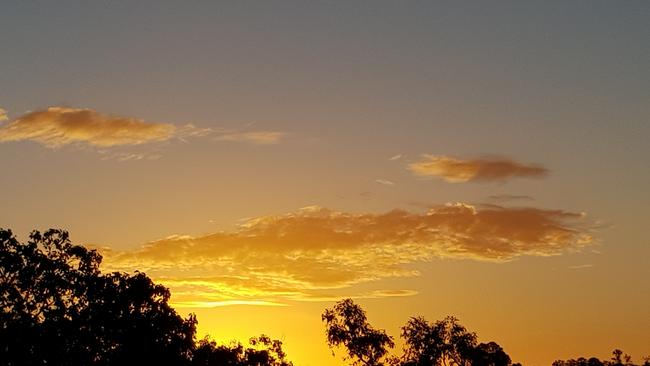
(619,358)
(443,343)
(347,326)
(262,350)
(57,308)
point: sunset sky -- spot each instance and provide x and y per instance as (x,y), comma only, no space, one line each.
(488,160)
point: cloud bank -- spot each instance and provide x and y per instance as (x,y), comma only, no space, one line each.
(475,170)
(316,253)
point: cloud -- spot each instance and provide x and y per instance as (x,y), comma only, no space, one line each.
(59,126)
(214,304)
(56,127)
(395,157)
(385,182)
(126,156)
(475,170)
(299,255)
(257,137)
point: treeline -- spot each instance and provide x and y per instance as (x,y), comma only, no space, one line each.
(57,308)
(618,359)
(442,343)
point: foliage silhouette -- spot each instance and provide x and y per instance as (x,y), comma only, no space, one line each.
(347,326)
(443,343)
(490,354)
(263,351)
(57,308)
(619,358)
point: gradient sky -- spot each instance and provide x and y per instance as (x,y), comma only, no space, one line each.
(263,159)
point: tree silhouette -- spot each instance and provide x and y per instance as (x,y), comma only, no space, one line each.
(443,343)
(56,308)
(263,351)
(619,358)
(489,354)
(347,326)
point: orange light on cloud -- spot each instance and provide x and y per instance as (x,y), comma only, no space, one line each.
(309,254)
(474,170)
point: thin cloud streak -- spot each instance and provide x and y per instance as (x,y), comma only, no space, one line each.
(298,255)
(581,266)
(215,304)
(455,170)
(257,137)
(385,182)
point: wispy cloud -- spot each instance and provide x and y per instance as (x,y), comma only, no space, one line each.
(215,304)
(59,126)
(395,157)
(385,182)
(581,266)
(299,255)
(474,170)
(56,127)
(128,156)
(257,137)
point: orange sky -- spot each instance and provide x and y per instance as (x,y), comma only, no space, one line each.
(265,160)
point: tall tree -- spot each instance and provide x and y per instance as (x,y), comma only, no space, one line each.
(346,326)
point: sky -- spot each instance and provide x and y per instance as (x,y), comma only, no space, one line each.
(266,159)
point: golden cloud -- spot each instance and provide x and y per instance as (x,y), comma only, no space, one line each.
(298,255)
(488,169)
(59,126)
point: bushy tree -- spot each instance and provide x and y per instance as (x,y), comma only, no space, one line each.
(56,308)
(489,354)
(444,343)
